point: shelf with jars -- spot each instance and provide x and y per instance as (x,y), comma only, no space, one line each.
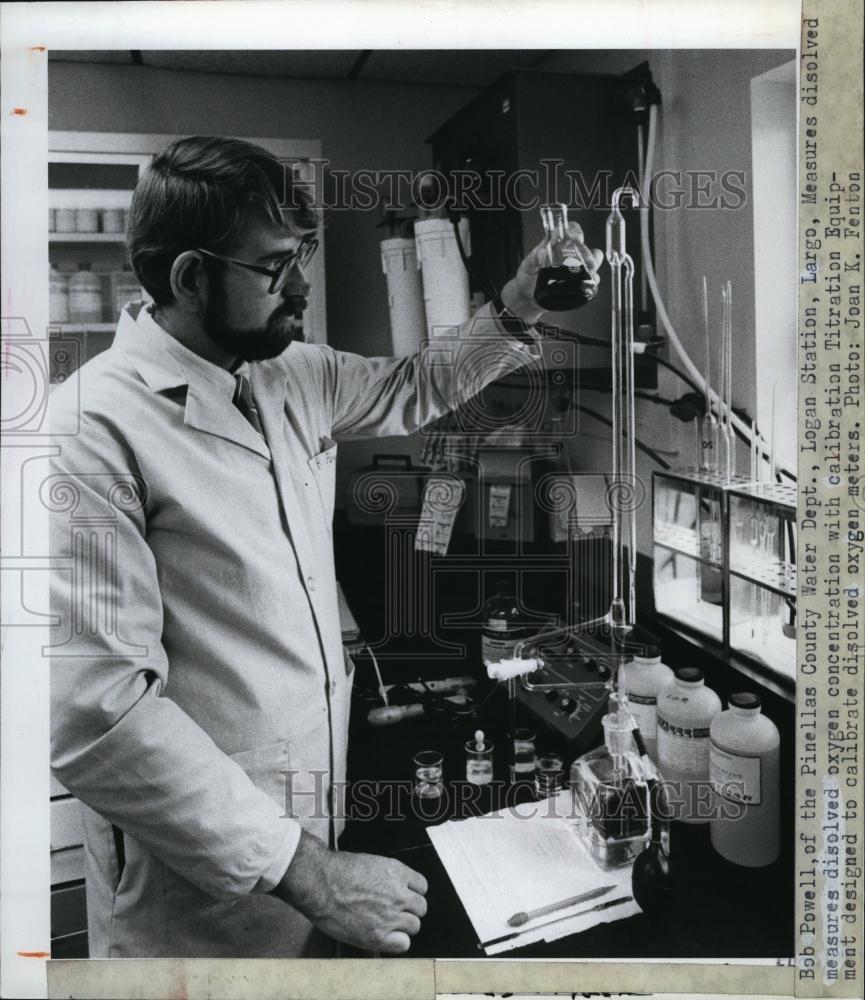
(724,562)
(91,178)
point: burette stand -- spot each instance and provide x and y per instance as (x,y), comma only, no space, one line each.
(620,619)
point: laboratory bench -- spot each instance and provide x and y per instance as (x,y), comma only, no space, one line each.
(720,911)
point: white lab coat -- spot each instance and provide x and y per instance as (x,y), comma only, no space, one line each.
(200,693)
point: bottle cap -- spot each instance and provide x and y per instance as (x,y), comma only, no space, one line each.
(745,699)
(690,675)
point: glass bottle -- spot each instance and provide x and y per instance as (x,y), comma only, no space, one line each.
(85,296)
(612,791)
(58,297)
(502,626)
(652,882)
(560,284)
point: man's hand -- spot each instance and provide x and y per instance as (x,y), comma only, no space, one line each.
(364,900)
(518,295)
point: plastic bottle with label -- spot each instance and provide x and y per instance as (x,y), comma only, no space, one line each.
(744,770)
(58,297)
(644,678)
(502,628)
(85,296)
(126,289)
(685,712)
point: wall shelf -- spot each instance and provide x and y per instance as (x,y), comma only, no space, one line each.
(87,237)
(69,328)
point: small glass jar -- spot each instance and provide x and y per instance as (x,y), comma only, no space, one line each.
(524,754)
(549,775)
(428,774)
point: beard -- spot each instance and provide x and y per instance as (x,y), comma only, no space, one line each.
(254,343)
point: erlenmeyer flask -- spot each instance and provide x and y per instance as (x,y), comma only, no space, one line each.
(560,283)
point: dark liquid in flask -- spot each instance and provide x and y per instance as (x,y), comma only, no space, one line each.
(561,288)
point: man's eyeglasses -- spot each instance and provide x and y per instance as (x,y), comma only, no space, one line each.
(278,275)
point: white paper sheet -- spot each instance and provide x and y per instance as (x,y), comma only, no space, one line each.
(523,858)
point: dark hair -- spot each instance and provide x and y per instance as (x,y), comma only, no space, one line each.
(197,193)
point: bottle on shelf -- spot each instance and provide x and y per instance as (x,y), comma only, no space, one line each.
(87,220)
(112,220)
(686,709)
(85,296)
(58,297)
(744,771)
(644,678)
(126,289)
(64,220)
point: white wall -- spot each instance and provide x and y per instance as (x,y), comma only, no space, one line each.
(774,100)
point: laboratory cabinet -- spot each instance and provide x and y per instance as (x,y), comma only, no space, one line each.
(91,177)
(725,564)
(532,138)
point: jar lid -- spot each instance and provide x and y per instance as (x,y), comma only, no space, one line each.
(745,699)
(690,675)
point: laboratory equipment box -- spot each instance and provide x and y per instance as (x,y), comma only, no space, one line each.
(390,489)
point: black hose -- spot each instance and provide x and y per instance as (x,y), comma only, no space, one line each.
(643,447)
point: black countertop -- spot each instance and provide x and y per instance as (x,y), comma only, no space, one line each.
(720,910)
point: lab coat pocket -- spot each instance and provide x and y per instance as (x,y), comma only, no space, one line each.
(323,468)
(267,767)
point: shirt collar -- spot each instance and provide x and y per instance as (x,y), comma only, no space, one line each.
(162,361)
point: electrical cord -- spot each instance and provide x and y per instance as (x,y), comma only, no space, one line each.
(643,447)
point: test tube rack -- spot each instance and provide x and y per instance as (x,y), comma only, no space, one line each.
(724,563)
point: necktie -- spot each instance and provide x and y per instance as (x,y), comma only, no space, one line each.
(245,403)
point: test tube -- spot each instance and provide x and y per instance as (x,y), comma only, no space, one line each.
(708,425)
